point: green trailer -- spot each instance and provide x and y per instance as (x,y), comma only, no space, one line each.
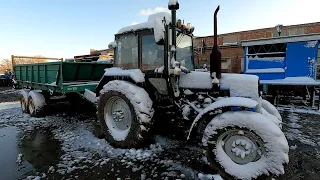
(41,80)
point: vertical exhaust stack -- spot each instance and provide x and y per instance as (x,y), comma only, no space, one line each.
(215,56)
(173,6)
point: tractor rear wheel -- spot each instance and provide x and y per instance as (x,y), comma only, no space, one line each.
(245,145)
(36,104)
(125,114)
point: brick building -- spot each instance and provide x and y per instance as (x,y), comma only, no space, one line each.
(230,44)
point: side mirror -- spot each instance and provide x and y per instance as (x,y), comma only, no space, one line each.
(112,45)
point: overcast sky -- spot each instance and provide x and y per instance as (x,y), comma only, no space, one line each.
(64,28)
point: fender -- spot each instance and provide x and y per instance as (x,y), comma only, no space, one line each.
(234,102)
(132,75)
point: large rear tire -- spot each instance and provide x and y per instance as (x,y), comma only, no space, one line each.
(245,145)
(125,114)
(24,100)
(36,104)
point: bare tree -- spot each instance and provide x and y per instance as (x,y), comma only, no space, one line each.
(5,64)
(29,60)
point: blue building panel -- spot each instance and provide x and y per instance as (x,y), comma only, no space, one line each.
(300,56)
(287,60)
(269,63)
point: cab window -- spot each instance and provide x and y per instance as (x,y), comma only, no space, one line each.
(152,54)
(127,52)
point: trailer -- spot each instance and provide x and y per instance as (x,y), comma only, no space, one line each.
(153,88)
(56,78)
(288,65)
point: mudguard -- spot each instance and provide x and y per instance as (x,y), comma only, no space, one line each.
(135,74)
(131,75)
(233,102)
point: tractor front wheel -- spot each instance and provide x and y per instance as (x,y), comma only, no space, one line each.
(125,113)
(245,145)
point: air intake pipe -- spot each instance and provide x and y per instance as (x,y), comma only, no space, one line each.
(215,56)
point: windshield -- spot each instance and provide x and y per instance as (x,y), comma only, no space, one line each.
(184,50)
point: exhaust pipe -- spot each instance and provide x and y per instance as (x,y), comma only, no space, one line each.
(215,56)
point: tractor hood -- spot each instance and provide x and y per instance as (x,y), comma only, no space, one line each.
(239,85)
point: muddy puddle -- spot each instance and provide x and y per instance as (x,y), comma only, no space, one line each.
(26,152)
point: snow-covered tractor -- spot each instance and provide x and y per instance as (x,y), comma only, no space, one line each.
(154,83)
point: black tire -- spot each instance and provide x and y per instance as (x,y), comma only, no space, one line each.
(36,104)
(24,100)
(224,135)
(139,133)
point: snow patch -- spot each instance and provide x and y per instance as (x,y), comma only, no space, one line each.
(311,44)
(173,2)
(292,81)
(159,70)
(90,96)
(195,80)
(225,102)
(240,85)
(154,21)
(267,70)
(38,99)
(19,158)
(135,74)
(9,105)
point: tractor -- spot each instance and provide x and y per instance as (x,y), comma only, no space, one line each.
(153,85)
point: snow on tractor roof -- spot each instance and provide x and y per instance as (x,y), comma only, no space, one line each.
(154,22)
(173,2)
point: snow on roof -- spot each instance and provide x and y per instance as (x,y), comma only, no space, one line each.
(134,74)
(282,39)
(292,81)
(172,2)
(147,25)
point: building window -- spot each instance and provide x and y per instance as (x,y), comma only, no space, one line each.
(152,54)
(231,40)
(267,50)
(127,52)
(225,65)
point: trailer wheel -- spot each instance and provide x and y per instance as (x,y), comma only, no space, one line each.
(24,100)
(125,114)
(36,104)
(245,145)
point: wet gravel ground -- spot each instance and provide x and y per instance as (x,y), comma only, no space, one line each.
(8,94)
(67,146)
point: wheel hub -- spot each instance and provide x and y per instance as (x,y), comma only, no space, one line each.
(117,114)
(241,146)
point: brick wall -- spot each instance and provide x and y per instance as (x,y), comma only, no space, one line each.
(235,52)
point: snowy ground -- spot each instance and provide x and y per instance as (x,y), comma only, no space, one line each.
(66,146)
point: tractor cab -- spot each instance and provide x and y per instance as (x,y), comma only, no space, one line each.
(148,46)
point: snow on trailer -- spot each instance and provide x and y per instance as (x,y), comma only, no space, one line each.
(284,61)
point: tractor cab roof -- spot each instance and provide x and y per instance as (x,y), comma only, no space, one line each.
(152,23)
